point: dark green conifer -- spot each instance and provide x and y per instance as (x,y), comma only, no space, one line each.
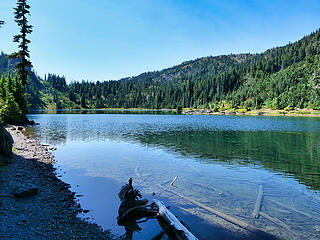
(23,66)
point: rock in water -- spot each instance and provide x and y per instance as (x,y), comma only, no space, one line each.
(26,192)
(6,142)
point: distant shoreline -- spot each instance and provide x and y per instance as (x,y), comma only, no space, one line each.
(204,111)
(257,112)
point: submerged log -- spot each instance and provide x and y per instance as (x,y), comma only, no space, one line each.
(214,211)
(173,181)
(257,207)
(295,210)
(278,222)
(174,224)
(246,226)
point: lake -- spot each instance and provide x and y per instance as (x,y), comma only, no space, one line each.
(222,162)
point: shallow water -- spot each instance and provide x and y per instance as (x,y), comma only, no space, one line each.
(220,161)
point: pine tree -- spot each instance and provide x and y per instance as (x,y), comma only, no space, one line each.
(22,67)
(10,111)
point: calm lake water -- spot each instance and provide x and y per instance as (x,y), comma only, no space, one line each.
(222,162)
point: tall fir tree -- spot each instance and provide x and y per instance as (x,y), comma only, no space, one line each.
(23,66)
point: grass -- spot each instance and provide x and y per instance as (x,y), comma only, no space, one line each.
(282,112)
(242,110)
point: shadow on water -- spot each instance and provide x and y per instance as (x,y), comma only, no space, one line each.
(104,111)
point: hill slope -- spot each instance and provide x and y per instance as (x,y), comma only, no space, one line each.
(281,77)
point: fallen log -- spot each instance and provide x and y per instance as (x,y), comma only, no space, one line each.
(250,228)
(257,207)
(132,205)
(216,212)
(181,232)
(133,208)
(173,181)
(145,211)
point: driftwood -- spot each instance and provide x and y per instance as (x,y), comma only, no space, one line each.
(137,213)
(180,231)
(224,216)
(257,207)
(133,208)
(136,170)
(216,212)
(173,181)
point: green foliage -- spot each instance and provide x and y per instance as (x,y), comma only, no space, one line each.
(12,100)
(21,12)
(284,77)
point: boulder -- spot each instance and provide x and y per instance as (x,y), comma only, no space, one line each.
(26,191)
(6,142)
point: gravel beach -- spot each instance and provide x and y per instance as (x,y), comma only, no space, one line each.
(51,211)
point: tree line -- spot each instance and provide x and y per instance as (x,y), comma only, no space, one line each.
(282,77)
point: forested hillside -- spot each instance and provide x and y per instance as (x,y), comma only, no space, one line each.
(34,87)
(282,77)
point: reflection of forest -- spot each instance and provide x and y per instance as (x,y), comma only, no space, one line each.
(102,111)
(294,154)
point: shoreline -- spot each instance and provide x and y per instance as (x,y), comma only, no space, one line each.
(205,111)
(53,212)
(258,112)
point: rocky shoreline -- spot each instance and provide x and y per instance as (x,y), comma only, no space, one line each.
(257,112)
(51,211)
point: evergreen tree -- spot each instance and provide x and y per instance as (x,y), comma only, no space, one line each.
(23,66)
(10,111)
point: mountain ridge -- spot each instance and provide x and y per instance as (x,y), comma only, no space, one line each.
(227,81)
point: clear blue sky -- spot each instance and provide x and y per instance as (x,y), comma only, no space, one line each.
(111,39)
